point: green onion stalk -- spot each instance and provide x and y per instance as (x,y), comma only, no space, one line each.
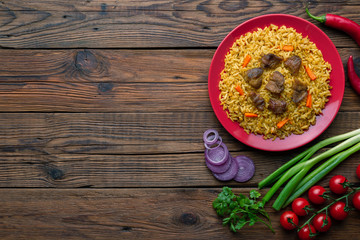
(295,171)
(321,172)
(305,156)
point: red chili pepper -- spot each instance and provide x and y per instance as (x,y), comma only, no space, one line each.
(341,23)
(353,77)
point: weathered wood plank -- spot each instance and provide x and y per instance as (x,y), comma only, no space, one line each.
(114,81)
(116,97)
(116,133)
(118,66)
(140,170)
(132,214)
(135,24)
(103,97)
(161,5)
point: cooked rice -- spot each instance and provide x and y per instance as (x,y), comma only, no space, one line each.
(271,39)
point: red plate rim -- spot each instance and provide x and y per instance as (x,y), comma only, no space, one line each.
(337,81)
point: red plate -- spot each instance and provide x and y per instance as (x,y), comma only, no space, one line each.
(337,81)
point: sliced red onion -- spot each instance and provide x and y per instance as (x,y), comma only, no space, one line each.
(246,168)
(217,156)
(215,145)
(230,173)
(210,136)
(219,168)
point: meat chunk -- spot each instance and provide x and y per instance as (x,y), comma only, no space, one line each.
(270,60)
(258,100)
(300,91)
(254,78)
(276,83)
(293,63)
(277,106)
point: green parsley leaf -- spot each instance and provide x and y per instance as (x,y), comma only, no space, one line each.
(239,210)
(254,194)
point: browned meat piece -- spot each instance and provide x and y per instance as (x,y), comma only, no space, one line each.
(270,60)
(293,63)
(276,83)
(300,91)
(257,100)
(277,106)
(254,77)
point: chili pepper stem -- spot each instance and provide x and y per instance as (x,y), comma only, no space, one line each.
(321,19)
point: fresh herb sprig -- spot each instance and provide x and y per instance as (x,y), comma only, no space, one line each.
(239,210)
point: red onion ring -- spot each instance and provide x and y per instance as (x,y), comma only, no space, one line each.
(217,156)
(210,136)
(211,147)
(228,174)
(246,168)
(219,168)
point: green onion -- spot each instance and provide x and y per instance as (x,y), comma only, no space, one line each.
(305,156)
(297,182)
(287,175)
(321,172)
(268,180)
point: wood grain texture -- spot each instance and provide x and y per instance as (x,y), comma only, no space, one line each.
(129,134)
(118,66)
(140,171)
(81,150)
(133,24)
(114,81)
(103,104)
(132,214)
(114,97)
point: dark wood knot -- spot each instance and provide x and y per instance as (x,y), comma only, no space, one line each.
(86,61)
(90,64)
(233,6)
(103,9)
(54,173)
(105,87)
(188,218)
(126,229)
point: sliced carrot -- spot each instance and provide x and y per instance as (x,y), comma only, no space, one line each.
(310,73)
(239,89)
(289,48)
(282,123)
(251,115)
(246,60)
(308,100)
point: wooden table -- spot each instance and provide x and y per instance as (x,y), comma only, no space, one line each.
(103,106)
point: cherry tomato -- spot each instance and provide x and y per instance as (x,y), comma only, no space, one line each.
(285,222)
(356,200)
(336,186)
(321,222)
(314,194)
(358,171)
(337,211)
(298,206)
(305,234)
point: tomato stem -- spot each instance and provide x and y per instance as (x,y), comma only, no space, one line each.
(346,196)
(327,196)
